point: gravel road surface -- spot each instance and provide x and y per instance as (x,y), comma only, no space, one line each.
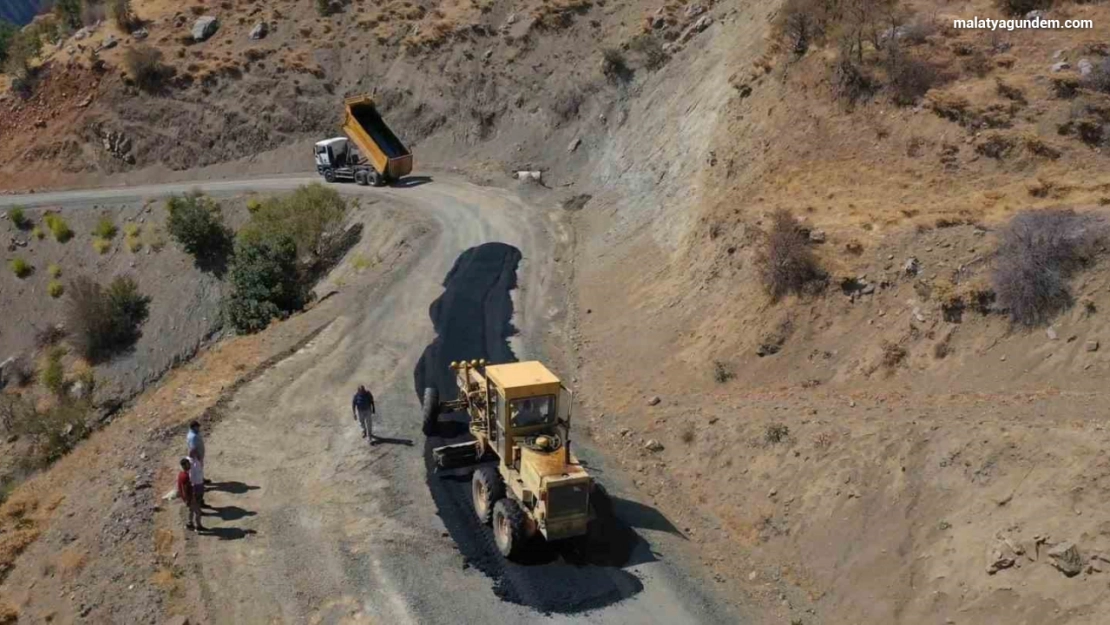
(313,525)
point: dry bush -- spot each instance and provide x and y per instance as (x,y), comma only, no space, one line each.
(1010,92)
(144,63)
(893,355)
(49,336)
(1066,86)
(1036,146)
(950,106)
(121,13)
(995,145)
(786,264)
(1038,251)
(1021,7)
(615,66)
(911,79)
(852,83)
(20,371)
(977,63)
(722,372)
(649,50)
(918,31)
(688,433)
(104,321)
(776,433)
(800,23)
(1099,78)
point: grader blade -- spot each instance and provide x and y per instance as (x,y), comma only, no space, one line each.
(455,456)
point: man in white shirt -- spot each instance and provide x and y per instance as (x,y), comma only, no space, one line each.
(194,441)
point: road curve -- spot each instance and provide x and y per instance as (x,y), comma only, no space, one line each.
(315,526)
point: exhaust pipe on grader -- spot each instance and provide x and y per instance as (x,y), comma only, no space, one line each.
(520,417)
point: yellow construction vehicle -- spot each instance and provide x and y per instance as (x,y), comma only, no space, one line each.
(519,417)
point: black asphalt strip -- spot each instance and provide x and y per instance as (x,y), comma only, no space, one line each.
(473,319)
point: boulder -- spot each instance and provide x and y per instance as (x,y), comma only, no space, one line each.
(817,236)
(1085,67)
(109,42)
(1066,558)
(1059,67)
(1092,346)
(911,267)
(999,557)
(653,445)
(260,30)
(694,10)
(574,145)
(140,34)
(654,401)
(205,27)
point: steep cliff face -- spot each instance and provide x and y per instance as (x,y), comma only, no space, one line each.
(20,11)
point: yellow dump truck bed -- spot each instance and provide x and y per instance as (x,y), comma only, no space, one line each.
(364,126)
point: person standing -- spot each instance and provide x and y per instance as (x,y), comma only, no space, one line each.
(196,476)
(188,497)
(194,442)
(363,407)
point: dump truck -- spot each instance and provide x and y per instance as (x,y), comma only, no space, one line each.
(369,154)
(526,481)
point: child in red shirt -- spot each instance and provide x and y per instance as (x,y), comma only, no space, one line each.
(189,497)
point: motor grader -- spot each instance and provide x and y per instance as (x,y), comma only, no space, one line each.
(527,481)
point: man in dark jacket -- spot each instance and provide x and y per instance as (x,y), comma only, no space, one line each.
(363,407)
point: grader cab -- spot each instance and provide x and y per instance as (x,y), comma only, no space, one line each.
(519,417)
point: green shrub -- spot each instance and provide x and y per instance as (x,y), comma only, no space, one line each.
(58,227)
(55,289)
(105,228)
(196,222)
(134,243)
(8,31)
(253,205)
(120,12)
(18,217)
(307,216)
(53,374)
(20,267)
(264,282)
(38,233)
(101,245)
(131,229)
(146,67)
(54,270)
(103,321)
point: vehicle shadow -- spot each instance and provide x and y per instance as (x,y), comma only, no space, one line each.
(234,488)
(230,513)
(379,440)
(409,182)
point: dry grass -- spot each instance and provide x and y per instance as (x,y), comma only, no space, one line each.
(786,264)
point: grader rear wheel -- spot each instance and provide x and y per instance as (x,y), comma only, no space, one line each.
(486,488)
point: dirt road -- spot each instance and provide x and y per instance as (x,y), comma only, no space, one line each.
(312,524)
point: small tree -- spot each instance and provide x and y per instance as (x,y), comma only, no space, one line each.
(264,282)
(144,63)
(18,217)
(8,31)
(120,11)
(323,8)
(307,216)
(196,222)
(786,264)
(68,12)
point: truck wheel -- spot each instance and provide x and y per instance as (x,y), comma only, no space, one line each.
(431,410)
(329,175)
(508,527)
(377,180)
(487,489)
(360,178)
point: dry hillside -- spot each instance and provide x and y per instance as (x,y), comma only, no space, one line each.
(886,446)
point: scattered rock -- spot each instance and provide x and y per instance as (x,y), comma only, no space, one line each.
(1059,67)
(205,27)
(574,144)
(109,42)
(530,175)
(1085,67)
(752,576)
(772,492)
(1066,558)
(1051,334)
(658,22)
(817,236)
(911,267)
(625,431)
(259,31)
(653,445)
(654,401)
(999,557)
(488,54)
(869,289)
(140,34)
(1092,346)
(694,10)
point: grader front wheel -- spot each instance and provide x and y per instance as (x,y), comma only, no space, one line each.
(509,531)
(486,488)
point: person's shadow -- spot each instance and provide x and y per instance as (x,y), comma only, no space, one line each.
(230,513)
(229,533)
(233,488)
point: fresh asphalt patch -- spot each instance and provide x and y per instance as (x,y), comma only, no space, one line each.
(473,319)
